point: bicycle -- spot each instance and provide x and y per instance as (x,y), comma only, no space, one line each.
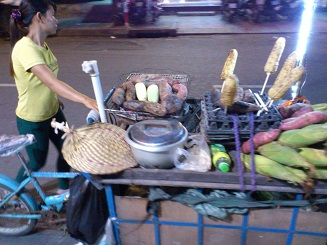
(19,210)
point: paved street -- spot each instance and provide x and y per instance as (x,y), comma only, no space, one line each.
(199,56)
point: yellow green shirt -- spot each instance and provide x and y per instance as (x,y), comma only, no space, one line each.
(36,102)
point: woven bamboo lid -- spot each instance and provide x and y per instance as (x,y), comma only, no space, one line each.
(98,148)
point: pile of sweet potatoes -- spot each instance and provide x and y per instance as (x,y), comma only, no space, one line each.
(172,95)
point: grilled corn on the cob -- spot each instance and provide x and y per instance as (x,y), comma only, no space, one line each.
(274,56)
(229,65)
(277,91)
(228,90)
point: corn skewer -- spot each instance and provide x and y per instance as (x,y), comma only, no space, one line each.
(228,90)
(277,91)
(272,63)
(229,65)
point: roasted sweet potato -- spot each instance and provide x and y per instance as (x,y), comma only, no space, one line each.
(305,120)
(260,139)
(130,91)
(239,94)
(164,90)
(181,90)
(248,96)
(288,111)
(145,106)
(154,108)
(173,103)
(118,96)
(133,105)
(215,97)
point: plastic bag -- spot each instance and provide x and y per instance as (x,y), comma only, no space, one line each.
(87,211)
(195,156)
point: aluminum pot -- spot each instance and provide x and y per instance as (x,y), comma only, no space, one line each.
(154,142)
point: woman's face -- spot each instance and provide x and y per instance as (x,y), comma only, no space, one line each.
(49,22)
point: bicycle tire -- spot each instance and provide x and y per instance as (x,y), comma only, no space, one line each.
(18,204)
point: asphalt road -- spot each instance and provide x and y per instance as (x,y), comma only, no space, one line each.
(200,57)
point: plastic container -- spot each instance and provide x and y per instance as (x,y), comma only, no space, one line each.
(220,159)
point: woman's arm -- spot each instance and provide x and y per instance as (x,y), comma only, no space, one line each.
(61,88)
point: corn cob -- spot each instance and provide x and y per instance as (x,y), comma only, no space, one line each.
(321,173)
(320,107)
(229,65)
(316,157)
(274,56)
(270,168)
(228,90)
(308,183)
(284,155)
(288,66)
(308,135)
(277,91)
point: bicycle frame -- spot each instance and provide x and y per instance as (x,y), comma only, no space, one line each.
(50,202)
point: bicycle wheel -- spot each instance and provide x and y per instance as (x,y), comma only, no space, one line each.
(16,205)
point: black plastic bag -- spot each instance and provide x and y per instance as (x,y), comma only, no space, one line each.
(87,211)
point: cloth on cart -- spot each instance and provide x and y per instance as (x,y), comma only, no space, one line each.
(218,204)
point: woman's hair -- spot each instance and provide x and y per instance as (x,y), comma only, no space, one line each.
(22,17)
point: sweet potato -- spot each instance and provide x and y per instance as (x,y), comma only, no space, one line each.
(164,90)
(145,106)
(181,90)
(154,108)
(215,97)
(118,96)
(133,105)
(173,103)
(288,111)
(305,120)
(302,111)
(239,94)
(130,91)
(248,96)
(260,139)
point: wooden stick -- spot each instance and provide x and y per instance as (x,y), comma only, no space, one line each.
(264,84)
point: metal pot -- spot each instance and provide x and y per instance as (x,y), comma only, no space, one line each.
(154,142)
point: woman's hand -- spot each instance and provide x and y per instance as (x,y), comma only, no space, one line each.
(91,104)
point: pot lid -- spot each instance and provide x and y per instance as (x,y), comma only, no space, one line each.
(157,132)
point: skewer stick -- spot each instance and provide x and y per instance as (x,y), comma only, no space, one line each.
(255,99)
(225,110)
(265,83)
(262,104)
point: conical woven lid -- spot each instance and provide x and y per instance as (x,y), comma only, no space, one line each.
(98,148)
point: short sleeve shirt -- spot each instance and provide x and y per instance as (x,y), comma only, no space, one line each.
(36,102)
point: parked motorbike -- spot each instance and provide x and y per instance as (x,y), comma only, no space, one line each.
(137,12)
(266,10)
(291,9)
(230,10)
(118,14)
(155,11)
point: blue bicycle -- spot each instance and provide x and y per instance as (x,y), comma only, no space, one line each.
(19,210)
